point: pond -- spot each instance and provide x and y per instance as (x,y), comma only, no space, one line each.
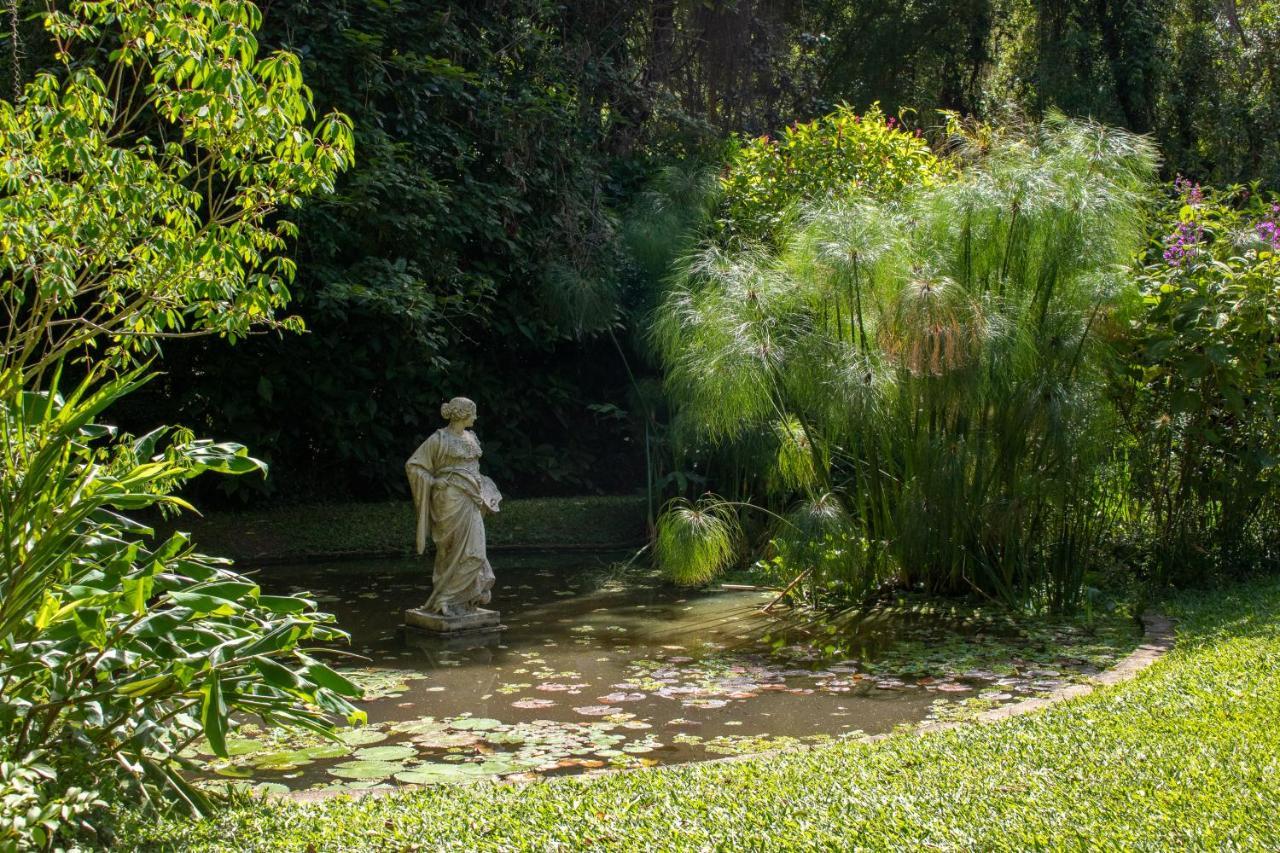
(603,666)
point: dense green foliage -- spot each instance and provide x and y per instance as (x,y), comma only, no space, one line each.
(473,249)
(1183,756)
(923,373)
(1200,388)
(833,157)
(484,240)
(140,192)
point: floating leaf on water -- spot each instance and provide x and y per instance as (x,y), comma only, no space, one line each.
(620,696)
(396,752)
(362,736)
(380,682)
(446,739)
(433,774)
(597,710)
(270,789)
(366,770)
(512,687)
(952,687)
(503,737)
(234,771)
(348,786)
(533,703)
(475,723)
(282,760)
(235,746)
(422,725)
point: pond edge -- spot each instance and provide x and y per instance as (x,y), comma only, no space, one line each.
(1158,639)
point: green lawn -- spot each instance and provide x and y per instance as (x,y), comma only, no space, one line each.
(1185,755)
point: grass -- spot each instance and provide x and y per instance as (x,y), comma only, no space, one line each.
(1187,755)
(297,533)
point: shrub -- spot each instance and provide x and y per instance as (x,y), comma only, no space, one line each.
(937,356)
(838,155)
(1200,386)
(140,191)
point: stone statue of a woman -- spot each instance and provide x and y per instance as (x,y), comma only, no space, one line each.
(452,497)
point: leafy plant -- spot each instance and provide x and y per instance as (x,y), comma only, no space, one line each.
(116,653)
(1199,390)
(937,357)
(831,157)
(696,541)
(140,193)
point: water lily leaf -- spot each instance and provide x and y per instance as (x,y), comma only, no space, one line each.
(361,737)
(324,750)
(597,710)
(280,761)
(432,774)
(264,789)
(234,771)
(533,703)
(366,770)
(396,752)
(620,696)
(475,723)
(420,726)
(952,687)
(446,739)
(235,746)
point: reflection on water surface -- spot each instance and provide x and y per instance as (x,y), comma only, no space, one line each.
(597,668)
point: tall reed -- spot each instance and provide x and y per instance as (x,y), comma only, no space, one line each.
(936,356)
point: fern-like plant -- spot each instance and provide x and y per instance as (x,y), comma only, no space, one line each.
(697,540)
(937,355)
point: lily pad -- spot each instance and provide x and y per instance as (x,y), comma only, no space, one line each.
(366,770)
(475,724)
(280,760)
(361,737)
(235,746)
(620,696)
(397,752)
(446,740)
(597,710)
(432,774)
(324,750)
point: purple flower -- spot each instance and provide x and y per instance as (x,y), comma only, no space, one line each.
(1269,229)
(1182,243)
(1189,190)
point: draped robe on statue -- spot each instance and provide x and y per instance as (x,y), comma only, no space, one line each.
(451,497)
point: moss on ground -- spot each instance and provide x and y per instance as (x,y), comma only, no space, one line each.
(1187,755)
(296,533)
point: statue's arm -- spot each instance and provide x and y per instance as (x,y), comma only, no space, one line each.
(422,462)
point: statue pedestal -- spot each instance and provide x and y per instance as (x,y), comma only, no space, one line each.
(477,620)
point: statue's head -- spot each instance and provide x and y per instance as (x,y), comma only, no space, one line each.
(458,409)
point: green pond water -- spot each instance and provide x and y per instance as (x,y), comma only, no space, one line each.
(602,668)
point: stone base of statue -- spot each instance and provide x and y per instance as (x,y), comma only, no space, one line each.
(477,620)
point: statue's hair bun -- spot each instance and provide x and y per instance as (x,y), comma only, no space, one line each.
(457,408)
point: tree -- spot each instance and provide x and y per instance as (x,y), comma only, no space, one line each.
(141,184)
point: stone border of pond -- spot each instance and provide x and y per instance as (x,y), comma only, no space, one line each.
(1158,639)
